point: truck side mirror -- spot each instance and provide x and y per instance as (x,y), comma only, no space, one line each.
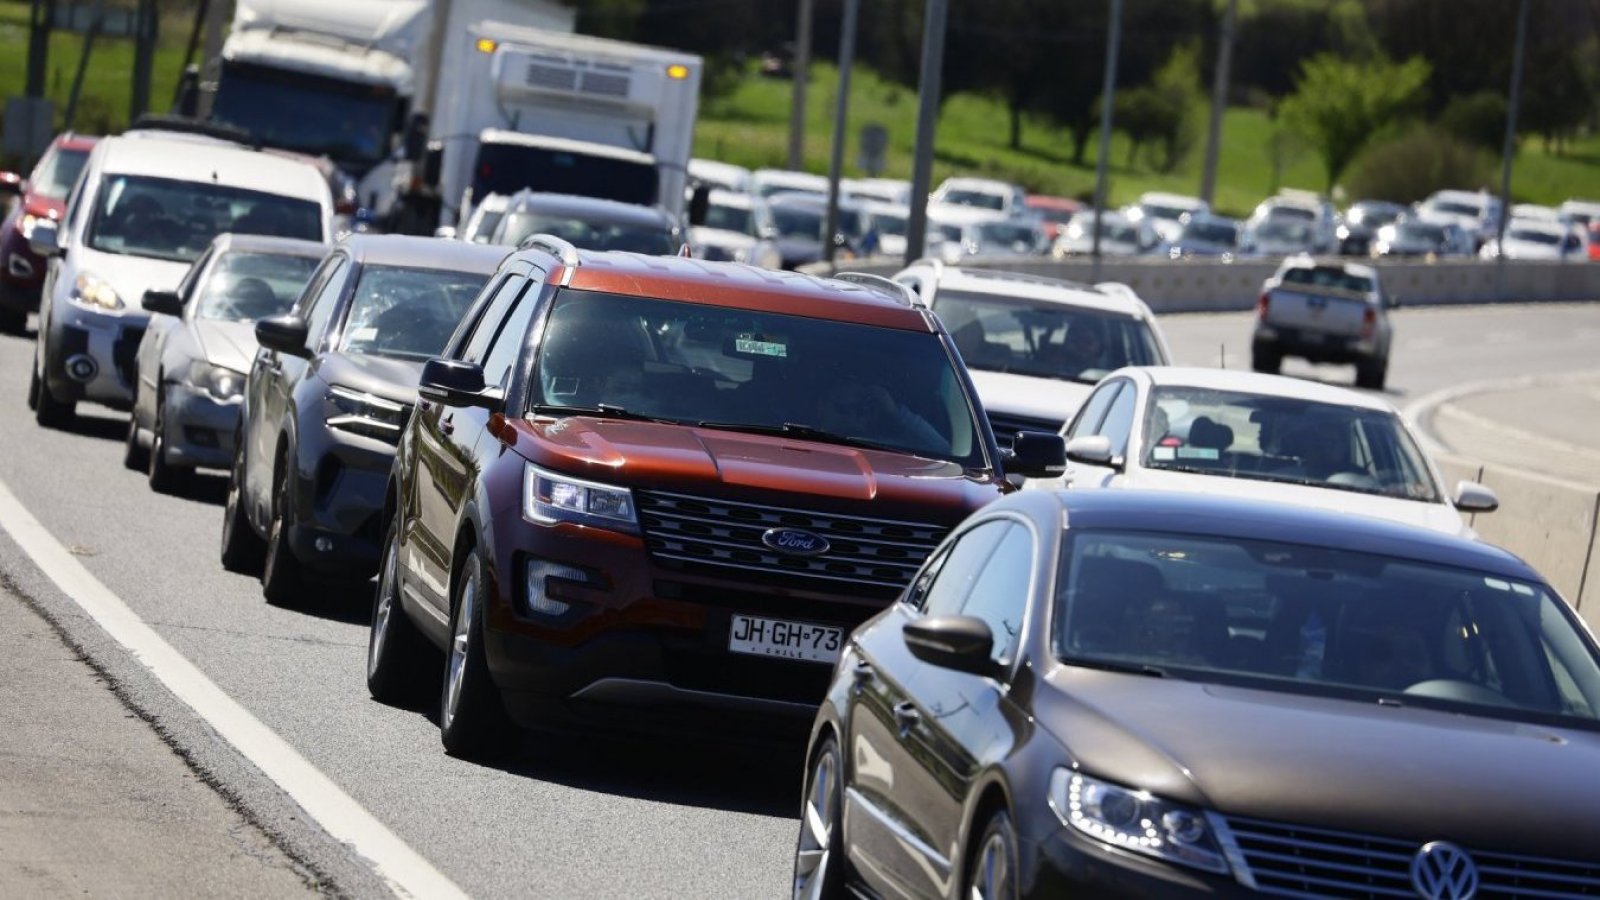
(699,204)
(416,139)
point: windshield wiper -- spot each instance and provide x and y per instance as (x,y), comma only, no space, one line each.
(602,410)
(1111,665)
(799,430)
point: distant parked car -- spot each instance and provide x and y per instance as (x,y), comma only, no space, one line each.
(1003,237)
(1361,221)
(1054,212)
(1539,239)
(1279,236)
(589,222)
(1145,695)
(194,357)
(1166,212)
(894,191)
(1207,236)
(730,232)
(327,397)
(1119,236)
(795,222)
(964,200)
(1324,312)
(1476,211)
(1292,222)
(719,175)
(481,225)
(1411,236)
(42,196)
(1267,437)
(766,182)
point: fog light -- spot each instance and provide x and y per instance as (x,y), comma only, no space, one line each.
(539,573)
(323,543)
(81,367)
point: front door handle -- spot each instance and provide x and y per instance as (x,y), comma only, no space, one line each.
(906,716)
(447,424)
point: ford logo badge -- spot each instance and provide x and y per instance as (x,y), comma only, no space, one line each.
(795,542)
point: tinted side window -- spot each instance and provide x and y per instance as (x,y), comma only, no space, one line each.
(1000,595)
(1119,420)
(1089,417)
(489,323)
(321,304)
(966,560)
(509,341)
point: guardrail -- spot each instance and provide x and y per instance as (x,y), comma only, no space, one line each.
(1204,285)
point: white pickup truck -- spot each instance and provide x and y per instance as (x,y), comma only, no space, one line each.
(1324,312)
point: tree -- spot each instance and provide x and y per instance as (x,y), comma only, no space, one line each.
(1478,119)
(1338,105)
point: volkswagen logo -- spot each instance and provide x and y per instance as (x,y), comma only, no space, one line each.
(794,542)
(1443,871)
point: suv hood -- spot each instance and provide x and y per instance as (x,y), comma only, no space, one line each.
(1406,772)
(391,379)
(1029,395)
(717,462)
(130,276)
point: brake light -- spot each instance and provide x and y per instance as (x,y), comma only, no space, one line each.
(1261,308)
(1369,323)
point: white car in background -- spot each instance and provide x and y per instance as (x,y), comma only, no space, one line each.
(730,232)
(1261,437)
(766,182)
(1476,211)
(481,224)
(718,175)
(1545,239)
(1119,236)
(1167,212)
(895,191)
(1292,222)
(962,201)
(1036,346)
(142,210)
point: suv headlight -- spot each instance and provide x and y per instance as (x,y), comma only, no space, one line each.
(366,415)
(1134,820)
(549,498)
(221,383)
(95,292)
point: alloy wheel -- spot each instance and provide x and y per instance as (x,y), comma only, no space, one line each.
(992,876)
(812,855)
(459,643)
(383,610)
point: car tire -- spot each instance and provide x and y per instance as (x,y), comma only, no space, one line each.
(13,321)
(165,478)
(992,865)
(398,656)
(1371,374)
(472,716)
(33,391)
(1265,359)
(134,456)
(283,580)
(48,411)
(243,551)
(821,867)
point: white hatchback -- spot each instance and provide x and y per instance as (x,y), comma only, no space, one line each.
(1262,437)
(146,206)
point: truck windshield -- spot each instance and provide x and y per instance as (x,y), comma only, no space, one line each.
(508,168)
(346,121)
(176,220)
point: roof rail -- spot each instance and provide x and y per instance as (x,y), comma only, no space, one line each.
(557,247)
(898,290)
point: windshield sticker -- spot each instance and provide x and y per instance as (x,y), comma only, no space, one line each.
(761,345)
(1162,453)
(364,333)
(1197,452)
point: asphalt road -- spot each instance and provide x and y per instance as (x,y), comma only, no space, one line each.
(643,818)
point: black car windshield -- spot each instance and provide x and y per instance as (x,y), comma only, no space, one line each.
(1291,617)
(1418,231)
(1365,214)
(1534,236)
(176,220)
(1211,233)
(589,234)
(753,370)
(55,175)
(1457,209)
(244,286)
(1286,439)
(889,223)
(1170,213)
(407,313)
(1043,339)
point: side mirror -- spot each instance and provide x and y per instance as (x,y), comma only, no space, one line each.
(1036,454)
(416,137)
(46,238)
(166,303)
(453,382)
(1090,449)
(699,204)
(962,643)
(10,183)
(448,232)
(285,334)
(1473,497)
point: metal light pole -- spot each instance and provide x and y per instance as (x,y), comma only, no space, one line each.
(841,106)
(933,16)
(801,72)
(40,19)
(1107,100)
(1219,102)
(146,23)
(1510,149)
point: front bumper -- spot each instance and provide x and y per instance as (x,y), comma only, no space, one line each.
(93,355)
(1068,864)
(336,531)
(199,428)
(1314,346)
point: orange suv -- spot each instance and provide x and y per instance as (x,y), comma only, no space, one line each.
(655,490)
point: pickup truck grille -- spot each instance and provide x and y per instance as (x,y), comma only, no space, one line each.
(725,536)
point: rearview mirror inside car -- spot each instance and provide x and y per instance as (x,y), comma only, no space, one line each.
(1036,454)
(285,334)
(962,643)
(454,382)
(1475,498)
(166,303)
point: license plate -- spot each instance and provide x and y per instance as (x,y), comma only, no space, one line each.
(782,639)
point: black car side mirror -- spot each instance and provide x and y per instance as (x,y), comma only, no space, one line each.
(166,303)
(285,334)
(454,382)
(962,643)
(1036,454)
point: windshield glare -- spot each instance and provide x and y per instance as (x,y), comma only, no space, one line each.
(54,177)
(1288,617)
(244,286)
(176,220)
(589,235)
(1253,436)
(690,363)
(1046,340)
(407,313)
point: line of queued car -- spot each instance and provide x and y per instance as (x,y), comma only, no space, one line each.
(1053,616)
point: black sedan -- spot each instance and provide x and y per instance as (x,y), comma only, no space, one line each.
(1134,694)
(326,399)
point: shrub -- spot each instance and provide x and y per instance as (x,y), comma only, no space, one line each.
(1478,119)
(1413,165)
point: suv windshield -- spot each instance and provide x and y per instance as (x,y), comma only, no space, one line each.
(243,286)
(55,175)
(1043,339)
(176,220)
(407,313)
(1293,618)
(820,379)
(587,234)
(1239,435)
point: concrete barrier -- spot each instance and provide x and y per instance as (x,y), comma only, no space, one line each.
(1212,286)
(1549,525)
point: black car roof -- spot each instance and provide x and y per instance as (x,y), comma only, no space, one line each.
(1210,514)
(423,252)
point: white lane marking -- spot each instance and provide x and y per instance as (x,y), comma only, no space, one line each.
(405,871)
(1453,411)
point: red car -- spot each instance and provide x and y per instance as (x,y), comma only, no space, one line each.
(1056,212)
(44,195)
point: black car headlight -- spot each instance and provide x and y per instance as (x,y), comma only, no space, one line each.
(222,384)
(1136,821)
(361,413)
(549,498)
